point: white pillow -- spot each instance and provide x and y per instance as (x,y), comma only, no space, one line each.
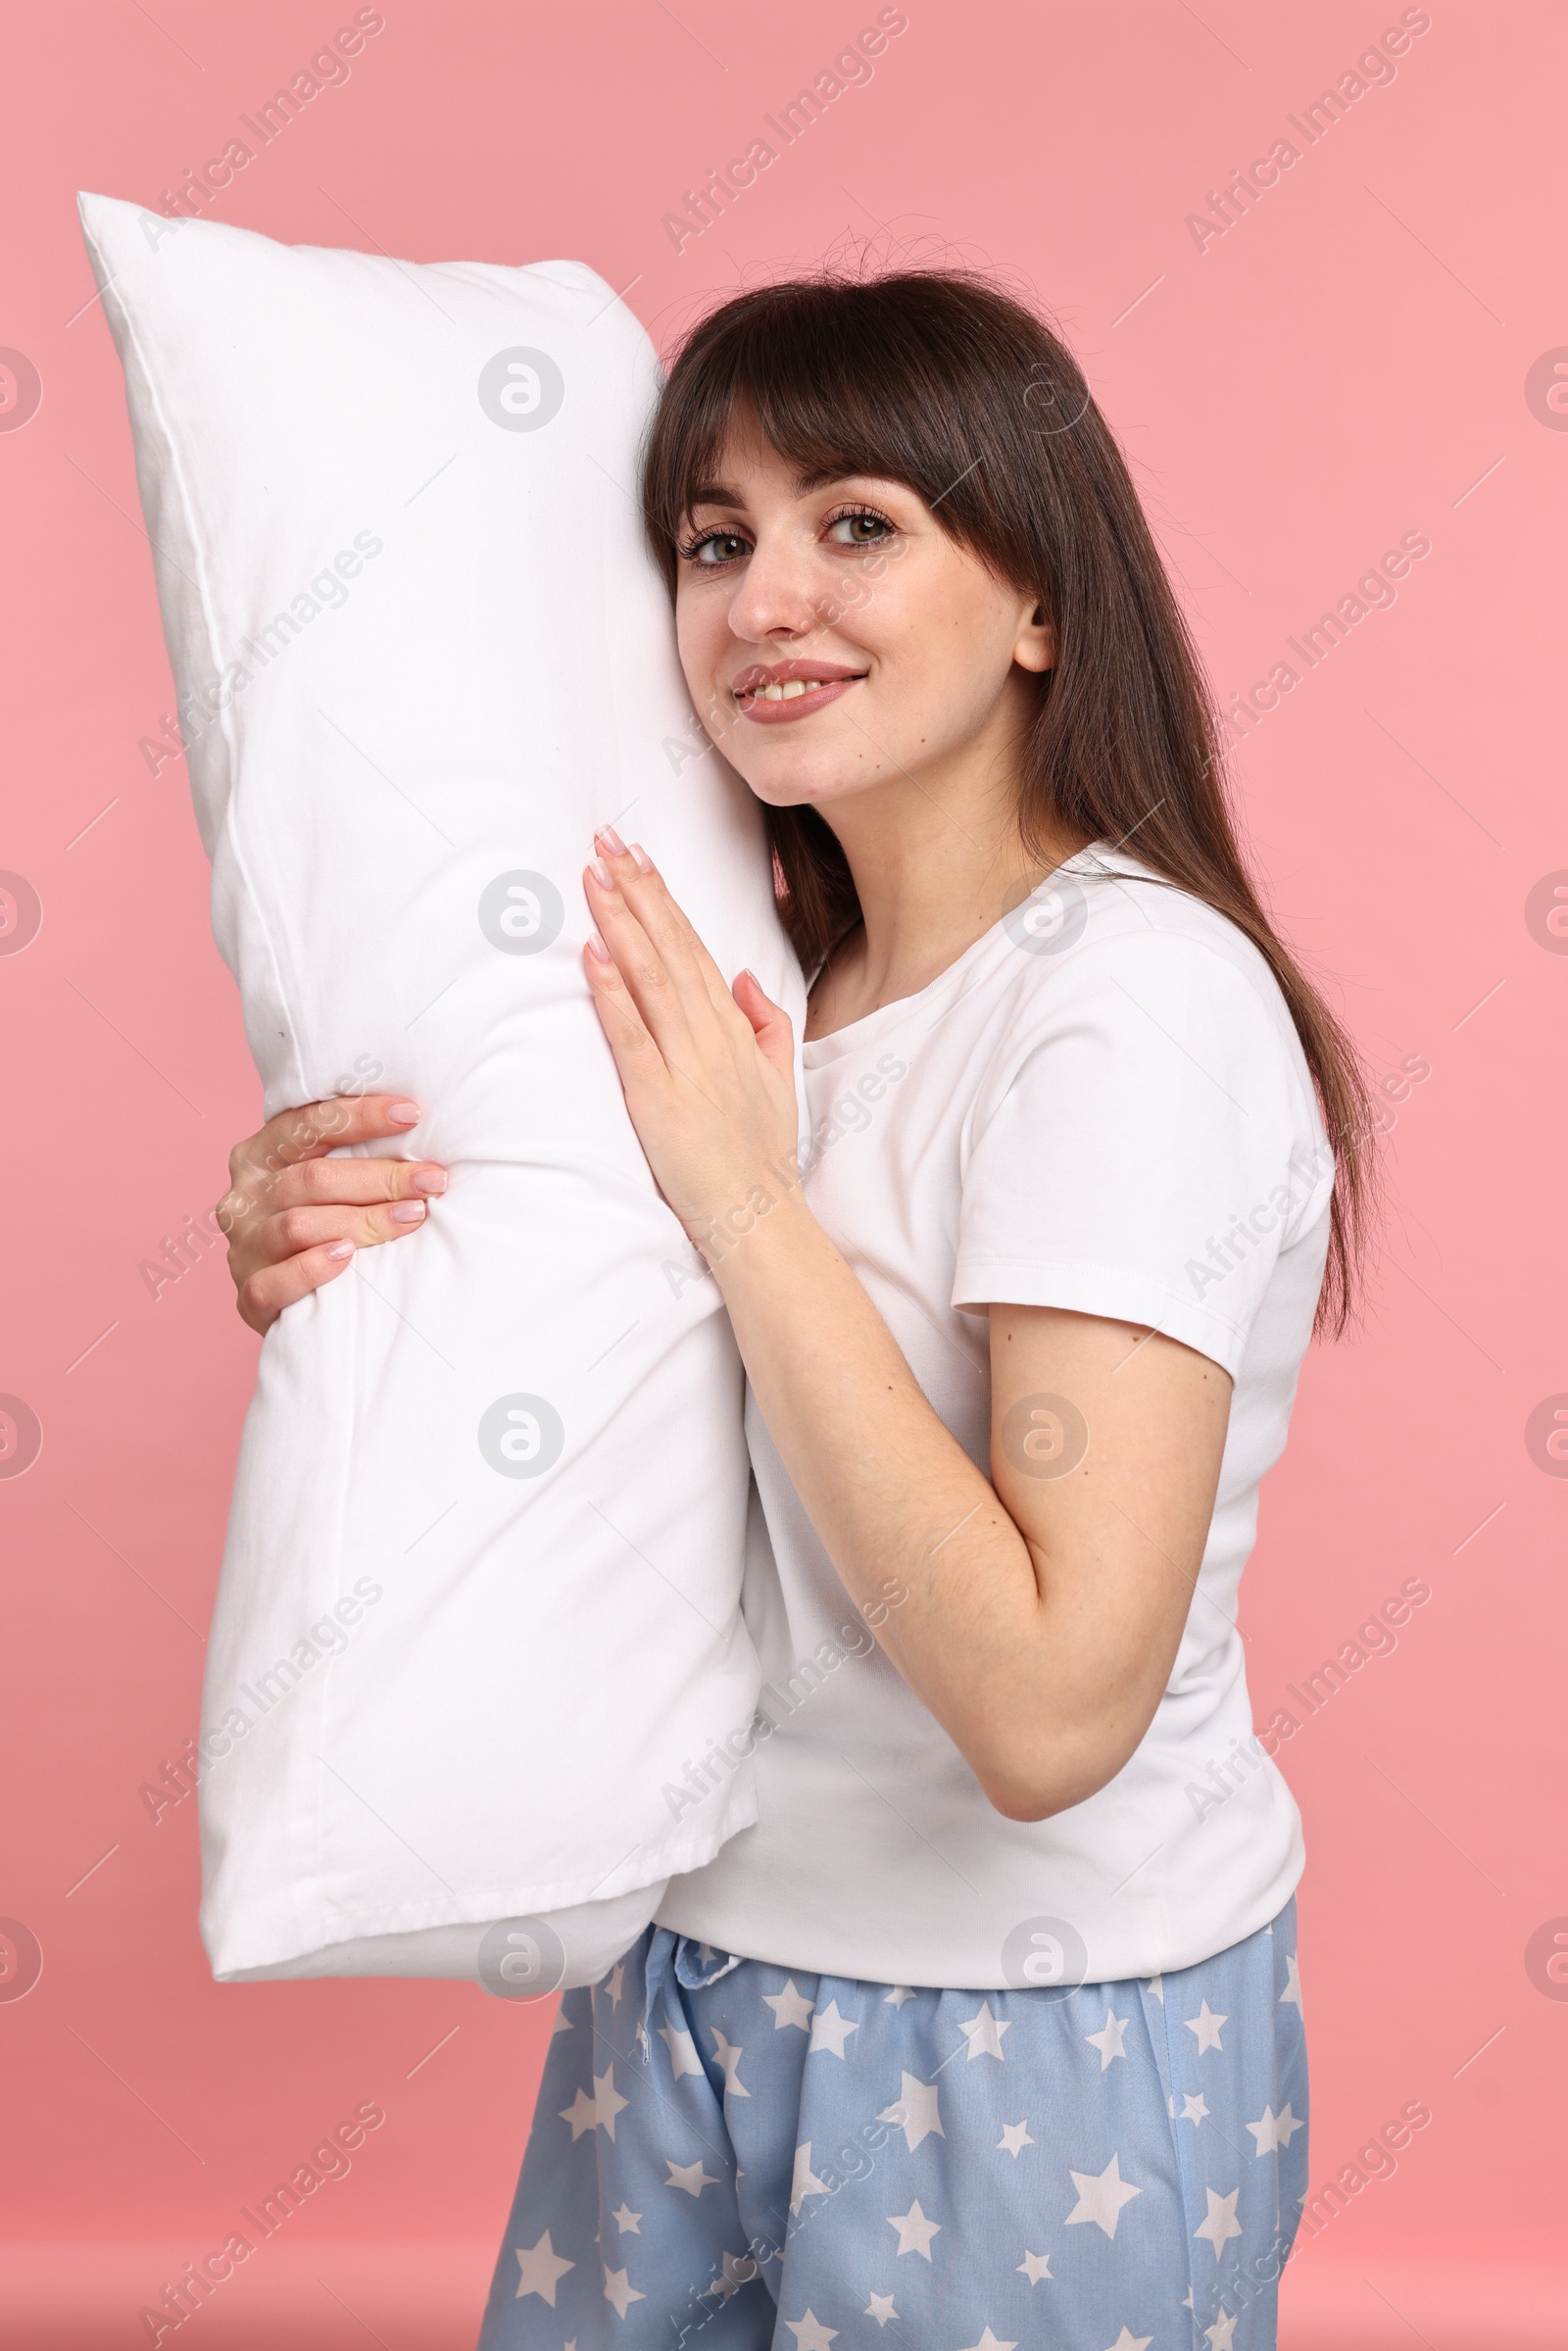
(478,1653)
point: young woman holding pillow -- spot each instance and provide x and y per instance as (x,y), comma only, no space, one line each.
(988,2031)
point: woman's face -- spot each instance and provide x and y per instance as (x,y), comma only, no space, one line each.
(836,638)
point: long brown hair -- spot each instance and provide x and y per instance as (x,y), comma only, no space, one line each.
(939,379)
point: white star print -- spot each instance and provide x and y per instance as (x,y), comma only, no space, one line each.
(1108,2040)
(540,2267)
(1102,2195)
(1218,2336)
(1206,2026)
(1130,2342)
(989,2342)
(729,2057)
(586,2114)
(880,2307)
(1035,2266)
(1014,2139)
(626,2221)
(915,2108)
(618,1976)
(789,2006)
(830,2030)
(1220,2222)
(689,2176)
(739,2269)
(810,2334)
(682,2049)
(1275,2130)
(563,2023)
(805,2181)
(1156,1986)
(915,2231)
(620,2290)
(1293,1982)
(896,1997)
(1194,2106)
(984,2032)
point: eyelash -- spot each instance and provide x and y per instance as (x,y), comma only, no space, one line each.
(689,549)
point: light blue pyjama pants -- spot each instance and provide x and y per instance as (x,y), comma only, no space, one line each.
(728,2155)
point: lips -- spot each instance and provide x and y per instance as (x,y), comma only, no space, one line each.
(771,692)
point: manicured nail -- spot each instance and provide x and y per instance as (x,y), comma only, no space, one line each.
(407,1211)
(601,874)
(612,840)
(645,864)
(597,947)
(404,1114)
(341,1248)
(430,1179)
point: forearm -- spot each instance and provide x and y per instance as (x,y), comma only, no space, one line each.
(975,1626)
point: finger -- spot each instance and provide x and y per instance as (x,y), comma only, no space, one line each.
(638,1059)
(663,996)
(352,1183)
(316,1127)
(264,1294)
(299,1230)
(771,1024)
(666,924)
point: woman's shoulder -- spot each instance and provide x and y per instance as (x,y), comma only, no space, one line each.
(1103,919)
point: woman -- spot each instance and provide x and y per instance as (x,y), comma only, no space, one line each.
(988,2031)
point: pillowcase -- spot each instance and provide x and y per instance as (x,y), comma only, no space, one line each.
(477,1681)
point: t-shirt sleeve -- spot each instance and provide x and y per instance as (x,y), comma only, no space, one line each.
(1147,1150)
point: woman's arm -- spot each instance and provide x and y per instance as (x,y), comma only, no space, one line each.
(1041,1610)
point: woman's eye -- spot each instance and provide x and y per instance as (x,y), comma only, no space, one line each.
(859,530)
(716,547)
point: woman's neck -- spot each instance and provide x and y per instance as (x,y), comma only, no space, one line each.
(937,860)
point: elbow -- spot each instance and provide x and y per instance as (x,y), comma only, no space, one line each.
(1037,1785)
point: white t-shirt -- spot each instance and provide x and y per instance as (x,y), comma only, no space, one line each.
(1103,1105)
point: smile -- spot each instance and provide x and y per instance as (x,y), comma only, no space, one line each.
(773,697)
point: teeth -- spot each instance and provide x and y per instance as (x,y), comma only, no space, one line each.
(789,691)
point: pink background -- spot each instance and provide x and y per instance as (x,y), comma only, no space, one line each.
(1345,363)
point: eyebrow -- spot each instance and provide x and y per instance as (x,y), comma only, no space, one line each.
(717,493)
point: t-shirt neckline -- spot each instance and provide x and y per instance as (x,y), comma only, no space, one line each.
(817,1052)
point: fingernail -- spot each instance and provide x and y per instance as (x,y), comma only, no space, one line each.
(341,1248)
(601,874)
(407,1211)
(597,947)
(430,1179)
(612,840)
(404,1114)
(645,864)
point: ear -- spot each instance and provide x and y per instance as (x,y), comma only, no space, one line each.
(1035,645)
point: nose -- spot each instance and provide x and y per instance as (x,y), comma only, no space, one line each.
(777,594)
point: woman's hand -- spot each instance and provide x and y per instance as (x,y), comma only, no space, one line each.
(708,1073)
(294,1217)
